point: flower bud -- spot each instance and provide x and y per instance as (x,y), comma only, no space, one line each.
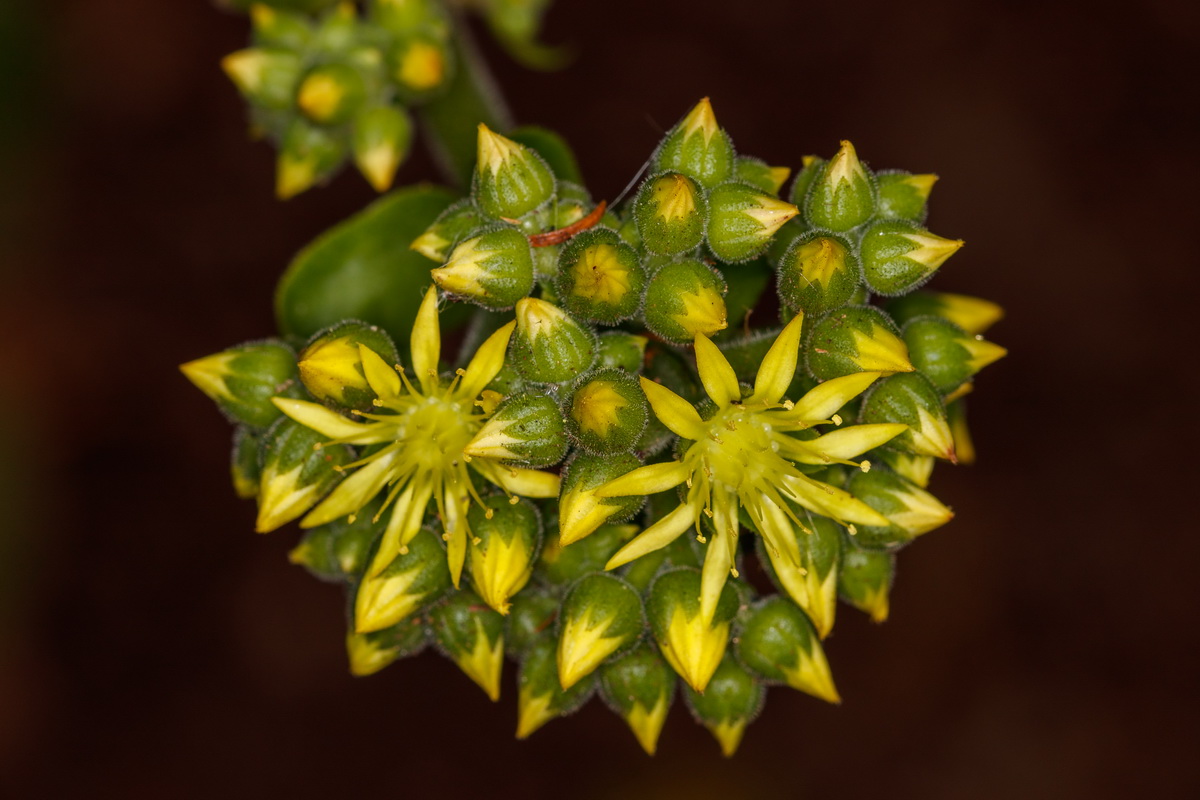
(526,429)
(493,270)
(692,648)
(331,364)
(381,139)
(549,346)
(244,468)
(908,466)
(811,583)
(742,220)
(698,148)
(639,687)
(776,641)
(973,314)
(945,354)
(607,412)
(866,578)
(622,350)
(683,299)
(540,697)
(670,211)
(307,154)
(337,30)
(243,379)
(331,93)
(472,636)
(600,278)
(810,167)
(370,652)
(842,195)
(278,27)
(759,174)
(911,399)
(601,616)
(580,512)
(898,256)
(507,537)
(911,510)
(818,273)
(401,16)
(419,64)
(531,614)
(855,339)
(731,702)
(337,551)
(266,77)
(453,225)
(510,179)
(414,579)
(903,195)
(964,447)
(298,469)
(572,203)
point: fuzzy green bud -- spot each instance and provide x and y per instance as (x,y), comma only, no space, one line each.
(842,194)
(911,399)
(507,537)
(683,299)
(401,16)
(865,579)
(337,551)
(601,617)
(670,211)
(742,219)
(759,174)
(698,148)
(368,653)
(298,469)
(607,412)
(911,467)
(526,429)
(731,702)
(331,364)
(472,636)
(531,614)
(691,647)
(243,379)
(639,687)
(911,510)
(307,154)
(810,167)
(415,578)
(580,511)
(510,178)
(382,136)
(899,256)
(818,273)
(493,270)
(600,277)
(244,469)
(973,314)
(278,27)
(266,77)
(419,64)
(945,354)
(855,339)
(903,195)
(337,30)
(331,93)
(777,642)
(549,346)
(622,350)
(572,202)
(540,696)
(811,583)
(453,225)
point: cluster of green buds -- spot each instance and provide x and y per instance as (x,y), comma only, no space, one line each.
(326,80)
(580,489)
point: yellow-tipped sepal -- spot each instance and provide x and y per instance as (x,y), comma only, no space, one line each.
(865,579)
(742,220)
(452,226)
(811,582)
(855,339)
(698,147)
(580,510)
(331,365)
(776,641)
(817,273)
(946,354)
(601,617)
(493,270)
(600,277)
(607,412)
(899,256)
(472,636)
(973,314)
(507,537)
(243,379)
(639,687)
(331,94)
(842,194)
(685,299)
(670,211)
(299,467)
(911,510)
(510,179)
(691,647)
(368,653)
(732,701)
(903,195)
(266,77)
(382,136)
(910,398)
(244,469)
(550,346)
(308,155)
(526,429)
(414,579)
(540,696)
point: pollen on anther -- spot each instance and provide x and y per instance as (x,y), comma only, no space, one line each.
(350,519)
(491,512)
(513,499)
(865,466)
(733,571)
(836,419)
(477,541)
(851,529)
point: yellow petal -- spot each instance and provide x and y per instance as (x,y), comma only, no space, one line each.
(354,492)
(650,479)
(847,442)
(660,534)
(486,363)
(823,401)
(427,341)
(382,378)
(673,411)
(779,365)
(327,422)
(516,480)
(720,381)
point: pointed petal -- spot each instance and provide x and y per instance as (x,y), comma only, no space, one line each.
(382,378)
(720,381)
(326,421)
(354,492)
(825,400)
(660,534)
(718,561)
(650,479)
(673,411)
(845,443)
(427,341)
(778,531)
(525,482)
(779,364)
(830,501)
(486,363)
(455,525)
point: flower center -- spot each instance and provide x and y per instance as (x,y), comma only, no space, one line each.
(738,449)
(434,429)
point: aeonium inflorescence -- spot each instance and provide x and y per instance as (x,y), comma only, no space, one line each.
(617,393)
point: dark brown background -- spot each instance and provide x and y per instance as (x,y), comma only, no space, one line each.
(1043,645)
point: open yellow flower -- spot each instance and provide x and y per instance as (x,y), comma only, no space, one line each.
(423,432)
(744,455)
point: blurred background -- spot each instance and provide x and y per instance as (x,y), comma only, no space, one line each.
(1043,645)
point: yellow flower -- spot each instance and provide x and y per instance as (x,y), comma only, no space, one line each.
(744,455)
(423,430)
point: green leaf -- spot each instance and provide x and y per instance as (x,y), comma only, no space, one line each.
(552,147)
(362,268)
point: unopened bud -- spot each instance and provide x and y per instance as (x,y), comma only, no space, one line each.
(742,220)
(580,511)
(540,696)
(493,270)
(382,137)
(777,642)
(331,93)
(670,210)
(964,447)
(810,167)
(691,647)
(865,579)
(910,398)
(472,636)
(526,429)
(370,652)
(623,350)
(731,702)
(639,687)
(266,77)
(759,174)
(818,273)
(683,299)
(842,195)
(244,468)
(698,148)
(911,510)
(911,467)
(337,551)
(413,580)
(278,27)
(456,223)
(531,614)
(855,339)
(549,346)
(243,379)
(903,195)
(510,178)
(601,617)
(600,277)
(331,364)
(507,538)
(307,154)
(608,412)
(973,314)
(811,583)
(402,16)
(298,469)
(420,64)
(946,354)
(898,256)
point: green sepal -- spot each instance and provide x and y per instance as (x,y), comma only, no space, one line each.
(621,350)
(945,353)
(601,618)
(471,635)
(685,298)
(368,653)
(842,194)
(903,195)
(744,284)
(338,550)
(460,220)
(911,399)
(810,167)
(812,583)
(776,641)
(531,614)
(912,510)
(244,469)
(760,174)
(899,256)
(540,696)
(549,346)
(493,269)
(742,219)
(507,538)
(698,148)
(580,512)
(731,702)
(413,580)
(854,339)
(866,577)
(639,687)
(299,467)
(308,154)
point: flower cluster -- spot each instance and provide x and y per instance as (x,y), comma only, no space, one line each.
(584,492)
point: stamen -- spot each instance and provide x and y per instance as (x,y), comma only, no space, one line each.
(836,419)
(865,466)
